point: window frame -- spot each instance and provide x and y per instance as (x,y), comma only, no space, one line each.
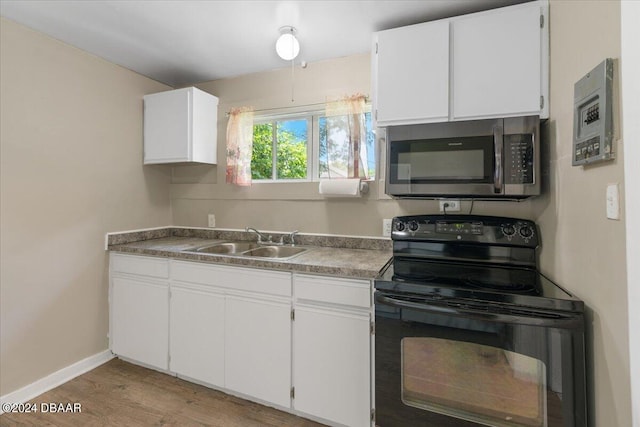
(313,144)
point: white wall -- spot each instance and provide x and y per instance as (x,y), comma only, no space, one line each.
(630,74)
(71,170)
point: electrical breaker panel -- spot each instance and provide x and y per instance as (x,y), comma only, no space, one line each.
(593,116)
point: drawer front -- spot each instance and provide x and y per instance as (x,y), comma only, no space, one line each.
(143,266)
(333,290)
(233,278)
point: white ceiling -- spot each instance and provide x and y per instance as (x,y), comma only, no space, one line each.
(187,42)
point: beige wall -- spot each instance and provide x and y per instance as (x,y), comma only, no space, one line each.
(71,153)
(583,250)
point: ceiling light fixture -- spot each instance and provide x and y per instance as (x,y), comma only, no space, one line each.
(287,45)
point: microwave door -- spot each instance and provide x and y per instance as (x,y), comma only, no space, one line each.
(442,167)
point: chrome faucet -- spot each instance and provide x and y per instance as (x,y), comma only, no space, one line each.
(267,239)
(292,236)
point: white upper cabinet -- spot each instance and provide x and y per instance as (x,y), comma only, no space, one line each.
(412,71)
(481,65)
(180,126)
(497,63)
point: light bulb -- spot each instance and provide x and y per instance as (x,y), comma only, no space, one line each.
(287,46)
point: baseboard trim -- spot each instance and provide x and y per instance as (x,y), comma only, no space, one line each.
(55,379)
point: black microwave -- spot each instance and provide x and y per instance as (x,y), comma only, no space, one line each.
(479,159)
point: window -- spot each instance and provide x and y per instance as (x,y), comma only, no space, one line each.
(281,150)
(307,147)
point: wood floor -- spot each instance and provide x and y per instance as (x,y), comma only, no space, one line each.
(121,394)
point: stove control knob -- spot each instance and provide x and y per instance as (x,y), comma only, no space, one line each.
(526,231)
(508,230)
(413,226)
(399,226)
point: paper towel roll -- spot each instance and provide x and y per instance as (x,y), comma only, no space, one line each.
(342,187)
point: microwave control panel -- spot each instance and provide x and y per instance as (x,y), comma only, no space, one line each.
(518,167)
(592,116)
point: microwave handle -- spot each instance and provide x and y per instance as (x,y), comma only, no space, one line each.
(497,149)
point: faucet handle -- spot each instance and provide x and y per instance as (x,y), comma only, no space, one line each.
(292,237)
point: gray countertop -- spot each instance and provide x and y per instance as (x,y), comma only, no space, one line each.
(341,256)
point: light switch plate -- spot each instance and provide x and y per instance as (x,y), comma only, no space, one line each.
(211,220)
(386,227)
(613,201)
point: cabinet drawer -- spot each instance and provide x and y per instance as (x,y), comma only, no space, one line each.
(236,278)
(332,290)
(143,266)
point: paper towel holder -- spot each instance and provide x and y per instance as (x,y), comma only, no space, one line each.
(355,187)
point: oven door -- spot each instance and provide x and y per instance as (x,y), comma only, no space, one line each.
(437,365)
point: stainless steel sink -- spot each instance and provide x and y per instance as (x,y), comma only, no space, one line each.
(275,251)
(249,249)
(228,248)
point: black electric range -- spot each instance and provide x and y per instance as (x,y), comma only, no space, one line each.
(472,283)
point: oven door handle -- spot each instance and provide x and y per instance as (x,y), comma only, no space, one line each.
(563,320)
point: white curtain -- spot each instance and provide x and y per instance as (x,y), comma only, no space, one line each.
(353,108)
(239,146)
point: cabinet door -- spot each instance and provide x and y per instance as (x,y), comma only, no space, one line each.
(258,349)
(167,127)
(497,63)
(332,365)
(412,82)
(197,335)
(140,321)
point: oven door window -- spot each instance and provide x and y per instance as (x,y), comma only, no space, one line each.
(447,160)
(479,383)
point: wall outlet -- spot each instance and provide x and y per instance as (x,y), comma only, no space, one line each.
(212,220)
(451,205)
(386,227)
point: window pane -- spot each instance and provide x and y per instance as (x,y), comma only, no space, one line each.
(334,156)
(262,157)
(292,149)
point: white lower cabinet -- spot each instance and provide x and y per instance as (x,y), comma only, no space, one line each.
(197,332)
(331,368)
(139,301)
(332,349)
(232,328)
(258,349)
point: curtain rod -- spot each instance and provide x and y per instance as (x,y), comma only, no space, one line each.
(262,110)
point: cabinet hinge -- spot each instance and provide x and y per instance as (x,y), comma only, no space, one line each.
(373,415)
(541,21)
(293,392)
(372,328)
(376,47)
(293,314)
(541,102)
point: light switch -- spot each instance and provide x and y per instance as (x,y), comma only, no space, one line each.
(613,201)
